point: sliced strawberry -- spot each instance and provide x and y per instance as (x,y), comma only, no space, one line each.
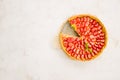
(89,56)
(82,57)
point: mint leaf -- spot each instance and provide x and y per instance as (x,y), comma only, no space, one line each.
(90,50)
(86,46)
(73,26)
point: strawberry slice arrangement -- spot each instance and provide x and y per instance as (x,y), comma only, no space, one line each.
(91,41)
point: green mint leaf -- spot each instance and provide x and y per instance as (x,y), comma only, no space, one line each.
(73,26)
(86,46)
(90,50)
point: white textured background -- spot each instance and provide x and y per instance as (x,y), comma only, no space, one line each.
(29,48)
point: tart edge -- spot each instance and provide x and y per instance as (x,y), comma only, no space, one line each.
(103,29)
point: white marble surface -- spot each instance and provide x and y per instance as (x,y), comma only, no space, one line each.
(29,48)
